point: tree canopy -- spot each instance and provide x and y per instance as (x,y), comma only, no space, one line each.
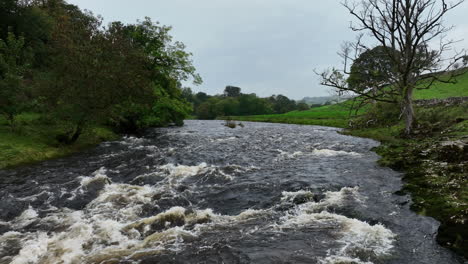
(79,72)
(404,32)
(235,103)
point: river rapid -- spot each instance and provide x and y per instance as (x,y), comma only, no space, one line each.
(205,193)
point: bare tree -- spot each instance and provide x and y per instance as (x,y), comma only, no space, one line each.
(405,29)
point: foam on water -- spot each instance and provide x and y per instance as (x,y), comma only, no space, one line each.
(26,218)
(358,239)
(99,175)
(342,260)
(223,139)
(182,171)
(111,226)
(287,155)
(94,236)
(332,153)
(132,141)
(290,196)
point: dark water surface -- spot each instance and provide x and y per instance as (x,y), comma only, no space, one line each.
(205,193)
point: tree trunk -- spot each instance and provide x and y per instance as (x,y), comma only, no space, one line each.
(76,135)
(409,111)
(374,94)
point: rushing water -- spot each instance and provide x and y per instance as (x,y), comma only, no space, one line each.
(205,193)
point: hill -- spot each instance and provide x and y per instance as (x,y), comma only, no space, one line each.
(338,115)
(321,100)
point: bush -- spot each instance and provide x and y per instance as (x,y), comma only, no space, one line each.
(380,114)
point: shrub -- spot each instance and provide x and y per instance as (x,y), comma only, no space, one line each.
(380,114)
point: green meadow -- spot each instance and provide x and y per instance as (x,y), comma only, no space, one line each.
(338,115)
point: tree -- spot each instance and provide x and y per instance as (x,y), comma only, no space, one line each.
(282,104)
(405,29)
(201,97)
(169,65)
(232,91)
(209,109)
(228,106)
(371,71)
(15,60)
(302,106)
(188,95)
(168,57)
(128,76)
(74,85)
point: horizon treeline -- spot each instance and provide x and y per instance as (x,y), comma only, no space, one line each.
(235,103)
(61,62)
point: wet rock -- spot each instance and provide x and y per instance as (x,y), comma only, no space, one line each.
(306,197)
(452,151)
(10,208)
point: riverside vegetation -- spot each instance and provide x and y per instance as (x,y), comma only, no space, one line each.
(67,82)
(429,143)
(434,159)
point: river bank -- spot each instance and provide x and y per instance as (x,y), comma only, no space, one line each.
(206,193)
(434,161)
(33,141)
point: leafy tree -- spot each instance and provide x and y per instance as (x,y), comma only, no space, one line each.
(372,71)
(127,76)
(228,107)
(188,95)
(250,104)
(405,29)
(168,58)
(73,88)
(232,91)
(200,98)
(282,104)
(169,65)
(209,109)
(15,60)
(169,108)
(302,106)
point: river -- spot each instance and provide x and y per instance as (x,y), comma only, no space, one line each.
(205,193)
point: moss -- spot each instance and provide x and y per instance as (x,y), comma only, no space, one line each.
(435,163)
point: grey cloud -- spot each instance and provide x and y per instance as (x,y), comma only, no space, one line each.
(264,46)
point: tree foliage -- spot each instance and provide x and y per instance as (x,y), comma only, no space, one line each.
(235,103)
(372,70)
(403,30)
(15,60)
(81,73)
(232,91)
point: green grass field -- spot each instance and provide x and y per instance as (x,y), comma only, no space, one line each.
(33,141)
(445,90)
(330,115)
(338,115)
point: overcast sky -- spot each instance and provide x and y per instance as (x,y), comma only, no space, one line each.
(263,46)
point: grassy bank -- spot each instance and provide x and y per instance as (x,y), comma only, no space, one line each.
(33,140)
(445,90)
(434,160)
(338,115)
(330,115)
(435,163)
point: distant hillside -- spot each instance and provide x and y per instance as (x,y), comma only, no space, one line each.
(321,100)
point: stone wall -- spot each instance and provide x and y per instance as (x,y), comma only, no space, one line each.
(447,101)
